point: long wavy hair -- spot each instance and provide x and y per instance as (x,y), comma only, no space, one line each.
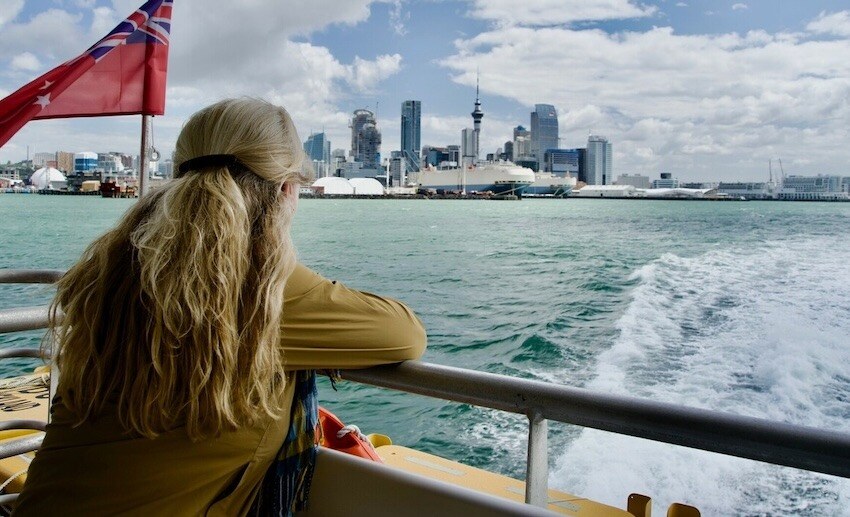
(175,314)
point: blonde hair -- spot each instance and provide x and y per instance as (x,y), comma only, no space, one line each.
(176,313)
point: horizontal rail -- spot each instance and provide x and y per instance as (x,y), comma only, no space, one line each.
(22,445)
(30,276)
(35,425)
(9,353)
(779,443)
(23,318)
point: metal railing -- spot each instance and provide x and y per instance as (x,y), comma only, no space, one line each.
(807,448)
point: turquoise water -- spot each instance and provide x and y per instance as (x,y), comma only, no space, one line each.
(740,307)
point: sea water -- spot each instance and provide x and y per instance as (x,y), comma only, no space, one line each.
(740,307)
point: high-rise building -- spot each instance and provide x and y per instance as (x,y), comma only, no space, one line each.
(544,130)
(522,145)
(411,133)
(469,147)
(563,162)
(318,147)
(598,161)
(365,139)
(41,159)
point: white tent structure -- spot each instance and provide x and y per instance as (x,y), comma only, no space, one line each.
(48,178)
(333,186)
(367,187)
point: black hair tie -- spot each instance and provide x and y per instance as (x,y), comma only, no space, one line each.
(209,161)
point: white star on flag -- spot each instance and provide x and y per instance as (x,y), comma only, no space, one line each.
(42,100)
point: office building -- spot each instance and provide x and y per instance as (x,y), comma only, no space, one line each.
(365,140)
(85,162)
(318,147)
(411,133)
(318,150)
(563,162)
(598,161)
(666,181)
(635,180)
(544,131)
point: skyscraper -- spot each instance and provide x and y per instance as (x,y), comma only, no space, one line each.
(318,148)
(544,131)
(365,139)
(411,134)
(599,161)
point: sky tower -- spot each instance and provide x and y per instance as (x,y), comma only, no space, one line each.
(477,115)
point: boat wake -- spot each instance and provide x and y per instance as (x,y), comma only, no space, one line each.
(759,332)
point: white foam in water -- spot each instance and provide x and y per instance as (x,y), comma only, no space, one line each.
(761,332)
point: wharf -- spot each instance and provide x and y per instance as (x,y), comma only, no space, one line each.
(414,196)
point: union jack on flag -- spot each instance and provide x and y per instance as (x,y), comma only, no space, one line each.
(122,74)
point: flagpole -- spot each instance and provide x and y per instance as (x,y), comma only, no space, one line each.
(143,157)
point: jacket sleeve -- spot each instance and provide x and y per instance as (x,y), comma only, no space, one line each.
(327,325)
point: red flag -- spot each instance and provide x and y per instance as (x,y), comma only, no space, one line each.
(122,74)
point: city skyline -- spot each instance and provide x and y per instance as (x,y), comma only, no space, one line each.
(709,91)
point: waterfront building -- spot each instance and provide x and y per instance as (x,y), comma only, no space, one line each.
(635,180)
(521,144)
(469,147)
(508,153)
(563,162)
(42,159)
(608,191)
(65,161)
(598,161)
(165,168)
(85,162)
(544,131)
(666,181)
(411,133)
(398,169)
(318,148)
(746,190)
(365,139)
(813,188)
(110,163)
(48,178)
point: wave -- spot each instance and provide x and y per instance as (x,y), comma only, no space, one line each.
(755,331)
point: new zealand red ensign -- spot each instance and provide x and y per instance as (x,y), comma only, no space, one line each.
(122,74)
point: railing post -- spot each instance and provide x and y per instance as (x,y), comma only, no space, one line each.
(537,461)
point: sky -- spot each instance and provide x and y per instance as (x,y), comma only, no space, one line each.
(708,90)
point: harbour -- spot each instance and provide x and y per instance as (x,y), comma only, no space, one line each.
(656,300)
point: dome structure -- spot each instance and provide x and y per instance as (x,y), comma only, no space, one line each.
(47,176)
(367,187)
(333,186)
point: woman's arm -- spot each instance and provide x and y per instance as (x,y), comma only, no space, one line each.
(327,325)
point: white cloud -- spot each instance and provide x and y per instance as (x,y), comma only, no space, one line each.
(738,7)
(219,48)
(398,18)
(699,102)
(9,10)
(837,24)
(681,4)
(26,62)
(556,12)
(54,33)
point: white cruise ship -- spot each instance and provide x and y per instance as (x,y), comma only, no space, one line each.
(503,178)
(547,184)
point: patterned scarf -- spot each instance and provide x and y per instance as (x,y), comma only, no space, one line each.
(287,483)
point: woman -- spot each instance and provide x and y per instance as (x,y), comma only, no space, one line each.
(184,328)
